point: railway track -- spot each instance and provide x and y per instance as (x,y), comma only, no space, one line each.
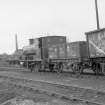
(71,93)
(85,75)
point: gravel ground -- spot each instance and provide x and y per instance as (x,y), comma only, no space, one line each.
(93,82)
(16,95)
(75,91)
(76,95)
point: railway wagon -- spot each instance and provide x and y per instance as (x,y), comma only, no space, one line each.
(77,55)
(96,49)
(71,55)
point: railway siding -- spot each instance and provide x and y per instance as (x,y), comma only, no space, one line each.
(84,81)
(60,90)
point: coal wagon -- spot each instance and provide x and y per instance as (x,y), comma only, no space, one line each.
(96,49)
(77,55)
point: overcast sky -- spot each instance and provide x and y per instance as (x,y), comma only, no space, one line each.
(34,18)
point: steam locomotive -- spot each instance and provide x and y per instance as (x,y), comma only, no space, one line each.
(53,53)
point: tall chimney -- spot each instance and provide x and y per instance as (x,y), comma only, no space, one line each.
(16,42)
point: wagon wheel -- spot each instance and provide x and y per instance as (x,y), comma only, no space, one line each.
(80,69)
(77,68)
(51,67)
(59,67)
(103,68)
(95,68)
(74,68)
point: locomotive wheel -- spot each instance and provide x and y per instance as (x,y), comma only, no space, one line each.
(42,67)
(37,67)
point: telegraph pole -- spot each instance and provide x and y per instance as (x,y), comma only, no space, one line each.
(97,15)
(16,42)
